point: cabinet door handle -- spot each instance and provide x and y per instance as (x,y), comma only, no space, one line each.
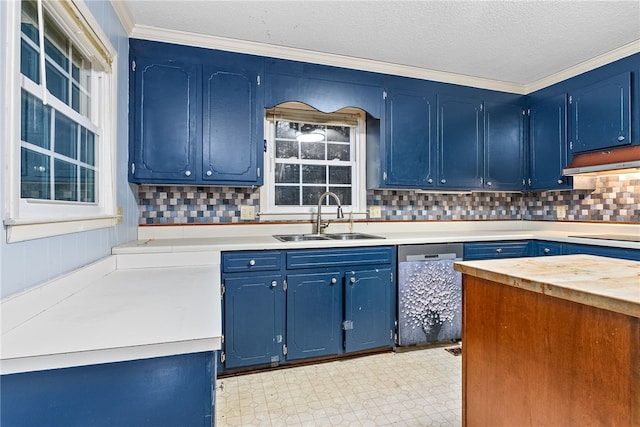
(274,284)
(621,138)
(547,250)
(489,183)
(499,250)
(560,181)
(252,262)
(334,280)
(430,181)
(187,173)
(443,181)
(352,280)
(209,173)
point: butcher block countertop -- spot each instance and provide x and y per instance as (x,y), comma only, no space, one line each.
(607,283)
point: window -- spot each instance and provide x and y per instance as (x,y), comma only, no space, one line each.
(309,153)
(62,168)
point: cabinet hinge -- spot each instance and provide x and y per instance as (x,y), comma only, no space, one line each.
(391,277)
(133,168)
(284,349)
(528,111)
(391,334)
(347,325)
(258,172)
(570,145)
(223,357)
(524,112)
(570,99)
(222,289)
(481,181)
(384,176)
(284,285)
(133,65)
(481,107)
(258,80)
(222,339)
(384,94)
(265,146)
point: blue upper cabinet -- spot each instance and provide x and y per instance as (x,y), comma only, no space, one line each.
(163,149)
(503,146)
(548,143)
(232,124)
(405,156)
(196,116)
(460,147)
(601,114)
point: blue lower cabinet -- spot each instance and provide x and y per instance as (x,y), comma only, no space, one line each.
(543,248)
(496,250)
(314,314)
(253,320)
(606,251)
(369,296)
(164,391)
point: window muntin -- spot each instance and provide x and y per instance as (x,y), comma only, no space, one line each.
(303,170)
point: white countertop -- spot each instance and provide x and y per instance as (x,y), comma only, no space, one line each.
(113,314)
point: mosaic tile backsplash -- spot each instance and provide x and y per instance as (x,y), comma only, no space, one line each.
(615,199)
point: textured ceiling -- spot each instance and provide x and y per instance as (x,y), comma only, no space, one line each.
(509,41)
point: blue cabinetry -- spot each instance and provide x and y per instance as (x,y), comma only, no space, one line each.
(601,114)
(284,306)
(496,250)
(196,116)
(503,146)
(405,155)
(548,143)
(163,391)
(543,248)
(164,130)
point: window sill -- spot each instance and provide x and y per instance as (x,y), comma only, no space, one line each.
(29,229)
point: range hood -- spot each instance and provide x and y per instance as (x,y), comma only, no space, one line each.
(614,160)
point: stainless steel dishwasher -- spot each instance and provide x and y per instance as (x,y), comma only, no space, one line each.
(429,293)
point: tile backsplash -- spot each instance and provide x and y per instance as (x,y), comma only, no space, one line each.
(615,199)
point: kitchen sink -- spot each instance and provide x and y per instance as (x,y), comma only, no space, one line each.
(332,236)
(300,237)
(352,236)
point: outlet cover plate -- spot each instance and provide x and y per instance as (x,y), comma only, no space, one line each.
(375,212)
(247,212)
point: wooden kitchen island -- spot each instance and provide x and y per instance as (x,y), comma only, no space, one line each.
(551,341)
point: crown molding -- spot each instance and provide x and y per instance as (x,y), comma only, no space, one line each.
(600,60)
(281,52)
(124,15)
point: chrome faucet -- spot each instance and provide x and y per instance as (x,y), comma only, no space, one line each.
(340,215)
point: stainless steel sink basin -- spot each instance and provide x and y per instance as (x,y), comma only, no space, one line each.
(352,236)
(300,237)
(328,236)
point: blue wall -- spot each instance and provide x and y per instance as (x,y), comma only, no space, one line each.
(25,264)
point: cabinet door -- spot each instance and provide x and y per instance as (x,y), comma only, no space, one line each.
(503,146)
(314,314)
(368,307)
(165,110)
(253,320)
(601,114)
(548,143)
(460,151)
(232,126)
(409,146)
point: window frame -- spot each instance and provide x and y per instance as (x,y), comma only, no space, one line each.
(27,219)
(301,113)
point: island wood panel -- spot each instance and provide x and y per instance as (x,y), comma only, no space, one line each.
(534,360)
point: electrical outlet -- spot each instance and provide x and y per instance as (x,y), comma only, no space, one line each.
(561,212)
(375,212)
(247,212)
(119,214)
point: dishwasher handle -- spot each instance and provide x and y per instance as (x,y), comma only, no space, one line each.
(430,257)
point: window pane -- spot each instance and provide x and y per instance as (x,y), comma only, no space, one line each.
(87,147)
(313,174)
(57,83)
(286,173)
(311,195)
(87,185)
(65,181)
(55,44)
(338,133)
(338,152)
(343,193)
(339,174)
(312,150)
(35,119)
(287,130)
(286,149)
(34,175)
(29,20)
(66,136)
(287,196)
(29,62)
